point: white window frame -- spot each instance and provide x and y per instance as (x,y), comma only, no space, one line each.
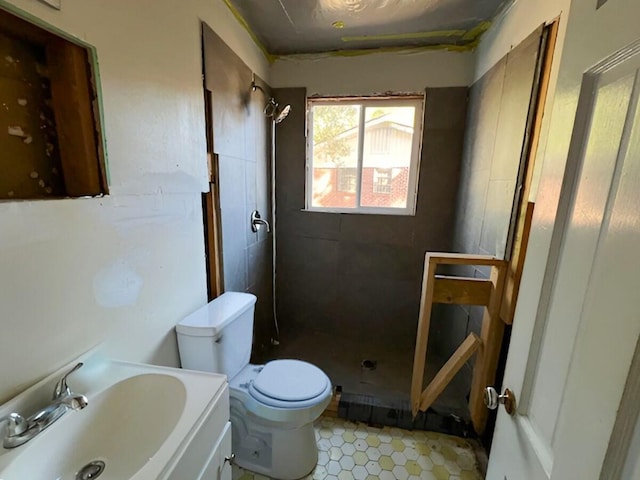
(417,101)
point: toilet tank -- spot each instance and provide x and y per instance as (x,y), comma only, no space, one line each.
(217,337)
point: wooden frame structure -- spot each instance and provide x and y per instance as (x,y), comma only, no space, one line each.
(466,291)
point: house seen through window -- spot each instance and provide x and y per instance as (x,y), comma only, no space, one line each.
(363,154)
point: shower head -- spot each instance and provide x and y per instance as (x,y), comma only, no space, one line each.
(272,108)
(282,114)
(273,111)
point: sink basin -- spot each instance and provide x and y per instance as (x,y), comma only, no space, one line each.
(134,427)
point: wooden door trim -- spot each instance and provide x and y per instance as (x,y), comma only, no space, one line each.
(518,250)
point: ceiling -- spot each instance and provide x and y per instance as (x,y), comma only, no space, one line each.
(313,26)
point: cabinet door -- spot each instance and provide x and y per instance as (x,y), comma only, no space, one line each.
(217,468)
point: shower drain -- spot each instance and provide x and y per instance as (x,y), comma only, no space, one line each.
(369,364)
(91,470)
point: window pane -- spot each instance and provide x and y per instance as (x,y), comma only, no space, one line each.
(335,155)
(386,162)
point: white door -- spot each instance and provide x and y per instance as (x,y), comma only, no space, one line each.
(577,324)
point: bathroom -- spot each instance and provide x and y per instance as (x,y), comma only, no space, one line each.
(116,272)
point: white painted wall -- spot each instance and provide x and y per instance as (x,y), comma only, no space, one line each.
(374,73)
(125,268)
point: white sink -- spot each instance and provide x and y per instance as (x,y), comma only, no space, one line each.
(140,421)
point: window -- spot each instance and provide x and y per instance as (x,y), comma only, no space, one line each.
(346,179)
(382,180)
(363,154)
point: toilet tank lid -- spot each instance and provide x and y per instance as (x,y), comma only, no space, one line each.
(209,320)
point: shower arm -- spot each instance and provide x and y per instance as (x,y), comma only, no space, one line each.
(255,86)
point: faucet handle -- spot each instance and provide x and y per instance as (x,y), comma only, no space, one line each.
(16,424)
(61,387)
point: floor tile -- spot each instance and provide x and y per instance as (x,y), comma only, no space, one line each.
(348,451)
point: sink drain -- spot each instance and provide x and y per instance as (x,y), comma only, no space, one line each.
(91,470)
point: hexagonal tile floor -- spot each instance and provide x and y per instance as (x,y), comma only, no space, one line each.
(350,451)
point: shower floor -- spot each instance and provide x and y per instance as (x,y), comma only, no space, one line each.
(390,381)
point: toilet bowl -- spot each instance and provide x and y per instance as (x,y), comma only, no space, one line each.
(273,406)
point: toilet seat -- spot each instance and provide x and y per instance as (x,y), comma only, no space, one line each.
(289,384)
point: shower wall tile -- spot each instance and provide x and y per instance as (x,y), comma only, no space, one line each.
(232,181)
(451,107)
(310,254)
(290,139)
(360,276)
(251,193)
(377,229)
(227,76)
(241,137)
(374,260)
(497,117)
(310,224)
(259,270)
(235,270)
(263,185)
(497,216)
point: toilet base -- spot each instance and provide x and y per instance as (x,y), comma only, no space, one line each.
(285,454)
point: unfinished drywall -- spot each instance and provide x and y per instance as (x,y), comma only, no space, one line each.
(122,269)
(359,276)
(374,73)
(241,134)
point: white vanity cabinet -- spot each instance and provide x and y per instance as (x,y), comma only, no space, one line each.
(204,457)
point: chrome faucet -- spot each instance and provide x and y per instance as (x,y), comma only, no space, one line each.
(20,430)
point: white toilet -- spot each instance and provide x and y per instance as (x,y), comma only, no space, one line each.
(273,406)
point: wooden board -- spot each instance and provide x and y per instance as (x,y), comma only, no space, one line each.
(422,335)
(484,370)
(523,225)
(462,259)
(72,106)
(449,370)
(457,290)
(461,290)
(213,236)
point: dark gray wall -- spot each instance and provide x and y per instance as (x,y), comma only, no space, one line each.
(242,142)
(496,124)
(360,275)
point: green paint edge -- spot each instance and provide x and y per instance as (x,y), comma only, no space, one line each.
(406,36)
(271,58)
(93,60)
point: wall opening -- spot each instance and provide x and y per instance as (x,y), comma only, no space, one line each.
(50,135)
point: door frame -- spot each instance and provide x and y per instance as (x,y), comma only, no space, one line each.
(559,177)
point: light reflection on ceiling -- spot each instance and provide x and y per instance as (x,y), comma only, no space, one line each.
(314,26)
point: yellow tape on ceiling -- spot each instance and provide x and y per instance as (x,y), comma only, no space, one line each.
(476,32)
(467,36)
(471,38)
(271,58)
(371,51)
(406,36)
(402,49)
